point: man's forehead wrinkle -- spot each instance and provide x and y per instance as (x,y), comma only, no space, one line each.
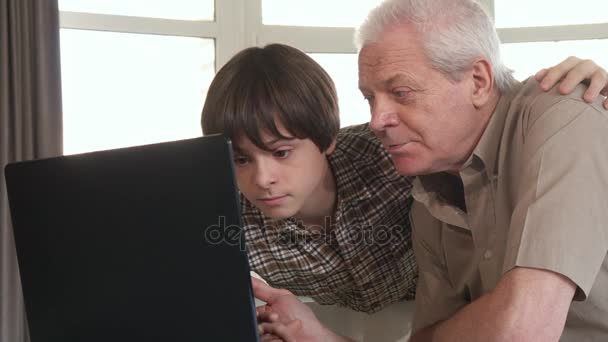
(390,56)
(399,70)
(403,77)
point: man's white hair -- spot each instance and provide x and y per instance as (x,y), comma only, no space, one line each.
(453,33)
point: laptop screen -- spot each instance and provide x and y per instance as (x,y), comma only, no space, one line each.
(141,243)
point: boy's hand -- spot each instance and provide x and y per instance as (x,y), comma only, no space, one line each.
(277,331)
(573,71)
(285,317)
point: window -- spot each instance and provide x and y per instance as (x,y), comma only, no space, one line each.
(324,29)
(528,58)
(124,89)
(525,13)
(175,9)
(334,13)
(342,68)
(136,71)
(540,33)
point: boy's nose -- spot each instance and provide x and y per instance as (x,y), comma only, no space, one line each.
(264,174)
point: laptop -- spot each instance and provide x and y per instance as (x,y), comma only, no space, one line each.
(133,244)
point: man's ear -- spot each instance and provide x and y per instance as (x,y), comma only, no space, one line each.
(331,148)
(483,82)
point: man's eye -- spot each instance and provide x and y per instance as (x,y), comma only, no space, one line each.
(401,93)
(239,160)
(370,100)
(282,153)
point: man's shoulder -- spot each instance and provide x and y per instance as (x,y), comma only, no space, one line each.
(358,143)
(357,134)
(359,152)
(550,111)
(363,168)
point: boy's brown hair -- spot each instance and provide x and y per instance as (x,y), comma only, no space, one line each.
(277,82)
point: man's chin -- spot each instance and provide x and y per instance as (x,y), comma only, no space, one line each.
(410,168)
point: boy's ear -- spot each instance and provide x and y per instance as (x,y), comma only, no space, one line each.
(331,148)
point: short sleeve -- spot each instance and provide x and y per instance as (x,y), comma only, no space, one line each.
(560,222)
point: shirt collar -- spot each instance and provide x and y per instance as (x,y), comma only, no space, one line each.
(485,155)
(426,191)
(488,147)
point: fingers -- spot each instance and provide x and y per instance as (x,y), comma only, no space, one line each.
(262,308)
(573,71)
(262,291)
(267,317)
(586,70)
(551,76)
(270,338)
(596,86)
(265,292)
(286,332)
(541,74)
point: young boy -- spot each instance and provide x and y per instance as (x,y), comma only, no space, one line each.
(325,213)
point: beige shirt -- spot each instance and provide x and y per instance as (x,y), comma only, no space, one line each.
(536,195)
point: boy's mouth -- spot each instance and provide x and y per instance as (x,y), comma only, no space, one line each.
(272,201)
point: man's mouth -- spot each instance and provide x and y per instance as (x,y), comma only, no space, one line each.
(394,147)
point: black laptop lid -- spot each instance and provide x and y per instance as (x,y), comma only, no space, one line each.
(135,244)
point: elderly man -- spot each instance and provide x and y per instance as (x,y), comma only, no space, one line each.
(511,219)
(517,249)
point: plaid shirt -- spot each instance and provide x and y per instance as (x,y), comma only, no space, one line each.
(365,262)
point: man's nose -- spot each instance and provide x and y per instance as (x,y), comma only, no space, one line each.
(384,115)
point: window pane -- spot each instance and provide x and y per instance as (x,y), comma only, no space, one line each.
(332,13)
(527,58)
(343,70)
(122,89)
(174,9)
(521,13)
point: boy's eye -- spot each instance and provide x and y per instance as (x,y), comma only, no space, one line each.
(281,153)
(240,160)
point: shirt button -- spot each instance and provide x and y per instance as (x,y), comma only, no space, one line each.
(487,254)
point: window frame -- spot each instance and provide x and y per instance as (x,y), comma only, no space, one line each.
(238,24)
(229,27)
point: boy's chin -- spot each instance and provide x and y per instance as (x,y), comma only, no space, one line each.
(279,213)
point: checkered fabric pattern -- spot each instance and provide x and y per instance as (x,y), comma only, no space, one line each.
(365,262)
